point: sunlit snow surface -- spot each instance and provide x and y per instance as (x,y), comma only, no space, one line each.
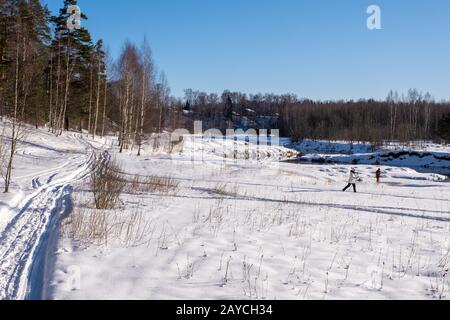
(245,228)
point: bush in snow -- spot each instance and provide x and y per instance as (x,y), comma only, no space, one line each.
(106,183)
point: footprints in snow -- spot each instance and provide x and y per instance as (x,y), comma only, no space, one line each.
(36,183)
(50,179)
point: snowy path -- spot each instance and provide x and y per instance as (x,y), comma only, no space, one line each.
(23,237)
(25,240)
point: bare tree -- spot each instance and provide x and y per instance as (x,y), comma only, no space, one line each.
(163,99)
(392,100)
(50,100)
(147,79)
(100,62)
(108,67)
(91,80)
(129,71)
(105,97)
(15,123)
(428,100)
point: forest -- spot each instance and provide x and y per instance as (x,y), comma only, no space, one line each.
(64,79)
(400,117)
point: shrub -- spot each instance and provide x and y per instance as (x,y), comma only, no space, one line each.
(107,183)
(152,184)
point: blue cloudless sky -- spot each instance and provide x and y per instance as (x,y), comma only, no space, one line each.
(318,49)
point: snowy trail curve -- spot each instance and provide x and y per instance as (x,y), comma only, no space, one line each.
(22,239)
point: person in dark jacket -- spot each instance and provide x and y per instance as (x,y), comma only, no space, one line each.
(352,180)
(378,175)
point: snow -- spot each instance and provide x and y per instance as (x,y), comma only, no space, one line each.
(330,147)
(418,156)
(346,147)
(244,227)
(30,211)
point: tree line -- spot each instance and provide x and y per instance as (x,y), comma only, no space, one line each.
(400,117)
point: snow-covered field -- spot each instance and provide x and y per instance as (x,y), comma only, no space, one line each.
(244,228)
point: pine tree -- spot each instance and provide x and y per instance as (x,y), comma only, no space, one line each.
(99,60)
(228,110)
(444,128)
(8,12)
(72,50)
(187,107)
(37,38)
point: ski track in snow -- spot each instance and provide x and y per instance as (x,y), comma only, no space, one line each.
(22,239)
